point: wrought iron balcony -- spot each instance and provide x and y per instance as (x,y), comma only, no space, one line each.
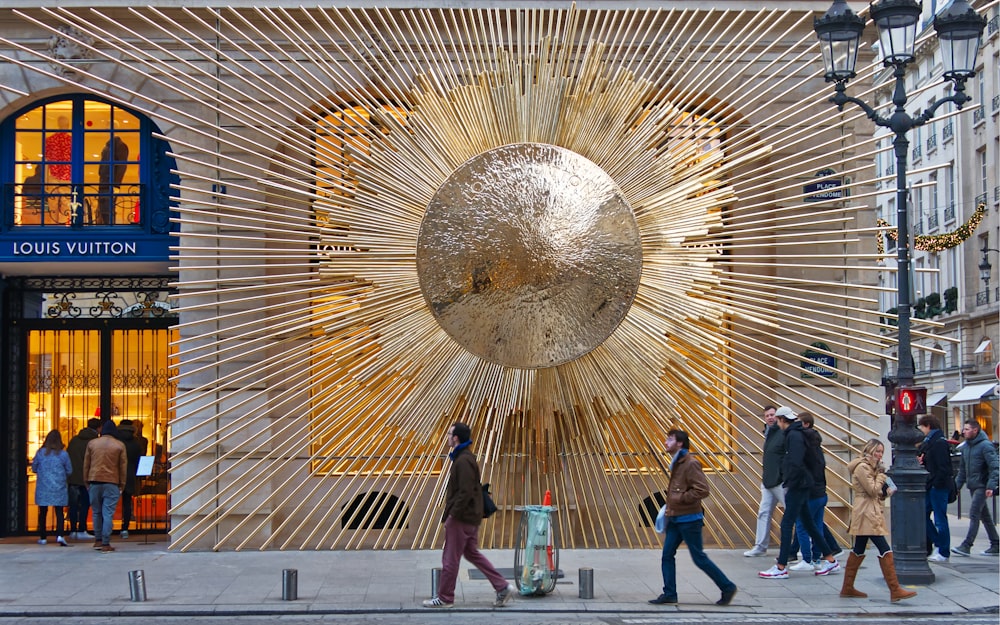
(916,154)
(949,213)
(947,132)
(890,169)
(996,103)
(931,143)
(918,225)
(993,26)
(983,298)
(932,221)
(979,115)
(980,199)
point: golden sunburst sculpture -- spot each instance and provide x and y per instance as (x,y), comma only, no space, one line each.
(573,229)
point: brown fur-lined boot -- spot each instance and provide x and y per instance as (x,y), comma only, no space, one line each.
(896,592)
(850,572)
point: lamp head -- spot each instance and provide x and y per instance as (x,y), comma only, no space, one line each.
(897,22)
(984,269)
(960,30)
(839,32)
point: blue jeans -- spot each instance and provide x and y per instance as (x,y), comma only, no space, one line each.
(104,500)
(938,534)
(796,507)
(810,552)
(689,533)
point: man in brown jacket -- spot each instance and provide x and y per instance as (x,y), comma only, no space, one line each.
(685,518)
(105,469)
(463,512)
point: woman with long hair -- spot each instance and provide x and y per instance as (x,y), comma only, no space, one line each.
(868,481)
(52,466)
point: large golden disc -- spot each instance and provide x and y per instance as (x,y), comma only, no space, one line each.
(529,256)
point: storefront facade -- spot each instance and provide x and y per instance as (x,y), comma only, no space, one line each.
(364,224)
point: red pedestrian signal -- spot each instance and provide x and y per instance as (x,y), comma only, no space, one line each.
(911,401)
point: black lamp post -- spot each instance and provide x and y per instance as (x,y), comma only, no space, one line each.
(985,267)
(960,31)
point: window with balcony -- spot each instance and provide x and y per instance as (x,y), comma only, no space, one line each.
(82,162)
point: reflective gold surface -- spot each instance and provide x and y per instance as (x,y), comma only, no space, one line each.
(529,256)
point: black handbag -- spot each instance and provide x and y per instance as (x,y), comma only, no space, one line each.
(489,508)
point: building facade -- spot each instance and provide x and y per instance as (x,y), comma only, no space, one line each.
(573,226)
(954,203)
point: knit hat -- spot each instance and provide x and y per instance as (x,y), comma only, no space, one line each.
(785,413)
(108,429)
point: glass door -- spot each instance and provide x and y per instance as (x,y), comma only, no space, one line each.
(69,371)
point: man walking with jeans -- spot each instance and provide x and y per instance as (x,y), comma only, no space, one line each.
(685,518)
(978,470)
(935,455)
(463,512)
(771,491)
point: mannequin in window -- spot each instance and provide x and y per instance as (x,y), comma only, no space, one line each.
(58,154)
(31,198)
(111,173)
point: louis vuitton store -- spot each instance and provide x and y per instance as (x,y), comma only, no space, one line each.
(298,243)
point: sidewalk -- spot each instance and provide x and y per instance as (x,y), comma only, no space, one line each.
(50,580)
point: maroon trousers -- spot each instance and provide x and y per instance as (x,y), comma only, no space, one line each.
(460,540)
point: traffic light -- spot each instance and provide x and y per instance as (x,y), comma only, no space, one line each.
(910,401)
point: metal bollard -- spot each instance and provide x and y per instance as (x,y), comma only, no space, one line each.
(435,580)
(289,584)
(586,583)
(137,585)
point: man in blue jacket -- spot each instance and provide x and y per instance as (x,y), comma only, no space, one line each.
(978,470)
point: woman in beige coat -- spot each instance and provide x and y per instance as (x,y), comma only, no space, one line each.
(868,482)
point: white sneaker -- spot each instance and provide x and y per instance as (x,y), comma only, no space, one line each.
(755,552)
(124,535)
(62,541)
(801,565)
(825,567)
(937,557)
(436,602)
(774,573)
(42,541)
(504,596)
(85,536)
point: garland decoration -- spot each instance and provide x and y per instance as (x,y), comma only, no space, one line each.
(936,242)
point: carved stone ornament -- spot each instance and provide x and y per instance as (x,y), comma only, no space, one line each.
(69,46)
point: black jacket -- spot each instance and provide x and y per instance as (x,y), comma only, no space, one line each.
(774,453)
(937,460)
(815,462)
(794,466)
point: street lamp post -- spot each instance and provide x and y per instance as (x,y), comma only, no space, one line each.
(960,29)
(985,267)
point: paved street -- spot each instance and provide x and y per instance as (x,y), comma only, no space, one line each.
(38,583)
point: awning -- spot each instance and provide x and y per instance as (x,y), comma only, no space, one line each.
(985,345)
(935,398)
(972,393)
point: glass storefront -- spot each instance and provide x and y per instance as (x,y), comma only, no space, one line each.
(65,384)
